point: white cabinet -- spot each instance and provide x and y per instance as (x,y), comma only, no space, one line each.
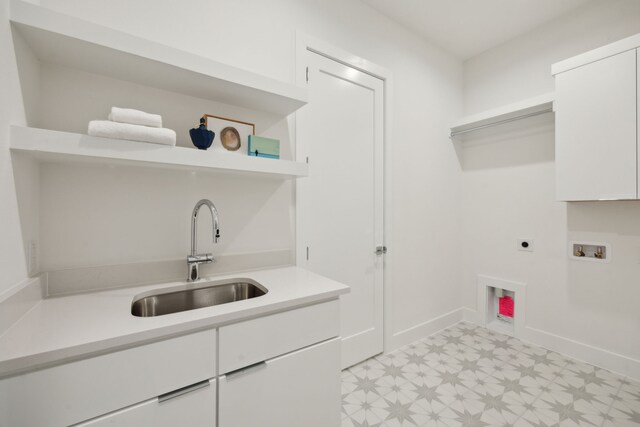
(298,389)
(282,369)
(256,340)
(194,407)
(596,126)
(285,367)
(81,390)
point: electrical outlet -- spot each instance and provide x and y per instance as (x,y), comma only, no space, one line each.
(32,257)
(525,245)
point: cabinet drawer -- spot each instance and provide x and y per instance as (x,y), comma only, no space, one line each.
(298,389)
(195,409)
(256,340)
(81,390)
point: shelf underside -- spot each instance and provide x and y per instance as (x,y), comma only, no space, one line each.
(523,109)
(68,41)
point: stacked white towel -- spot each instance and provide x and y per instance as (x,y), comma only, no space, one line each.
(135,117)
(133,125)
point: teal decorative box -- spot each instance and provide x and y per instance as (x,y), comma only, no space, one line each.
(259,146)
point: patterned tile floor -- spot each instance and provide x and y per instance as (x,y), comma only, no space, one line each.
(470,376)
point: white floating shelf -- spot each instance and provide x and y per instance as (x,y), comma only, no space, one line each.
(48,145)
(72,42)
(522,109)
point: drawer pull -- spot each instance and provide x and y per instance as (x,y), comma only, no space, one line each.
(182,391)
(241,371)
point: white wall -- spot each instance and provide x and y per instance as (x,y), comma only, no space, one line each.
(93,215)
(509,190)
(13,268)
(152,222)
(521,68)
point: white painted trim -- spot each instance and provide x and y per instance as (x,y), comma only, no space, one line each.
(615,362)
(18,300)
(594,55)
(306,42)
(471,316)
(424,329)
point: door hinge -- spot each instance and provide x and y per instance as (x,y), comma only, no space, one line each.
(307,159)
(307,253)
(381,250)
(307,74)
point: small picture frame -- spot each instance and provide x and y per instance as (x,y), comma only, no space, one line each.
(232,136)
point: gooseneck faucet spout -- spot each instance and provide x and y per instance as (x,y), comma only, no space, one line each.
(195,259)
(194,223)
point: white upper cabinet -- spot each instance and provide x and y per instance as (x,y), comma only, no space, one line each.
(596,124)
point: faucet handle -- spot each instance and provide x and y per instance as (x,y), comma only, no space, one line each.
(200,259)
(193,261)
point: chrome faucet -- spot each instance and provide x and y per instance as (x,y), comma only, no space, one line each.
(195,259)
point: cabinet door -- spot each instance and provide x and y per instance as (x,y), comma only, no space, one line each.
(196,408)
(298,389)
(80,390)
(596,143)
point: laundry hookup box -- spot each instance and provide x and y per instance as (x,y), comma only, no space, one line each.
(259,146)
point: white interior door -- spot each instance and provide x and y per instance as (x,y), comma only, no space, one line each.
(340,204)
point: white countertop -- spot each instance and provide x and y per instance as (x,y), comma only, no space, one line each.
(71,327)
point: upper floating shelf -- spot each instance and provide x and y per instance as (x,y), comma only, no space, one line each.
(508,113)
(65,40)
(49,145)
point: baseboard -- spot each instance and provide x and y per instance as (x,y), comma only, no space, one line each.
(472,316)
(423,330)
(17,301)
(600,357)
(614,362)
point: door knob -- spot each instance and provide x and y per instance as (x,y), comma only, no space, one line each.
(381,250)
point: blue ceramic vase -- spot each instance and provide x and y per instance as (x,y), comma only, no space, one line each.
(201,136)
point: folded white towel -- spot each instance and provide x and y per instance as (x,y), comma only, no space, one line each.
(115,130)
(135,117)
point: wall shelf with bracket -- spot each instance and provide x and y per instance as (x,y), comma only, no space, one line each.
(517,111)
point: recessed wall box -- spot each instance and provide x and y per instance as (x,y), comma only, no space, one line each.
(590,251)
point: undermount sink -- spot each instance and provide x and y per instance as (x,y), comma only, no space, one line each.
(195,295)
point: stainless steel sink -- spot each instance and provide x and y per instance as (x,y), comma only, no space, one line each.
(195,295)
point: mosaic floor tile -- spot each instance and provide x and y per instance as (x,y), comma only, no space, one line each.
(470,376)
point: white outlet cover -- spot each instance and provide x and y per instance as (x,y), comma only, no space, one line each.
(521,243)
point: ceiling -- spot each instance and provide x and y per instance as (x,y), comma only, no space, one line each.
(469,27)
